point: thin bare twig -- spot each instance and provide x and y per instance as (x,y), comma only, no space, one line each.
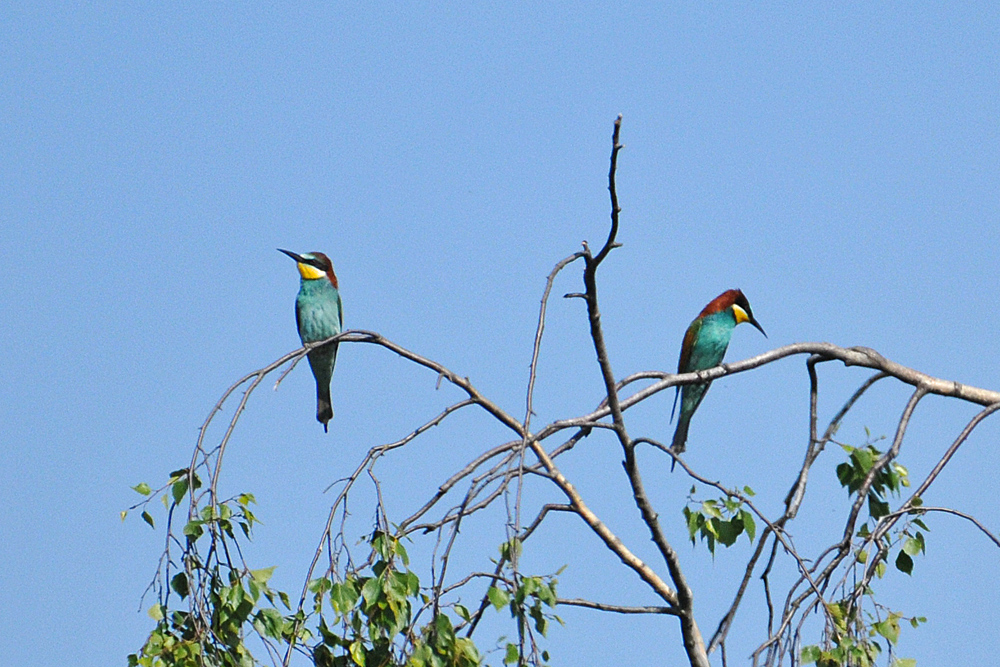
(616,608)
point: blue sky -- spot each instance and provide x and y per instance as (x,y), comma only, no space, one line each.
(838,164)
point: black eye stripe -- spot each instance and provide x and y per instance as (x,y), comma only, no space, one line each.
(742,302)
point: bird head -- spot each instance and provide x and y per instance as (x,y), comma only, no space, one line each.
(313,266)
(735,301)
(742,312)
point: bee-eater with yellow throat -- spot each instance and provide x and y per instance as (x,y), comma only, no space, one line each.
(319,315)
(704,347)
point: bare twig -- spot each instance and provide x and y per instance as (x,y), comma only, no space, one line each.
(947,510)
(616,608)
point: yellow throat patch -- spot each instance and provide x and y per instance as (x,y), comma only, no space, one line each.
(310,272)
(740,314)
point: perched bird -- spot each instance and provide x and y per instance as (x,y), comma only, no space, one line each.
(319,315)
(704,347)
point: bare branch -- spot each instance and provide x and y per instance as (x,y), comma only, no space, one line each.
(947,510)
(683,599)
(618,609)
(538,335)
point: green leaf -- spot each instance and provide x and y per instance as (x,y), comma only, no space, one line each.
(749,524)
(505,548)
(512,654)
(142,488)
(263,575)
(904,662)
(371,589)
(444,627)
(547,594)
(498,598)
(904,563)
(180,584)
(747,490)
(889,628)
(710,508)
(845,474)
(124,513)
(864,458)
(877,508)
(178,489)
(272,621)
(412,583)
(344,596)
(913,546)
(358,653)
(810,654)
(193,529)
(728,531)
(836,612)
(156,612)
(691,519)
(401,552)
(319,585)
(148,518)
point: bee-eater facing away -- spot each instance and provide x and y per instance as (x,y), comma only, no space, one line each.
(704,347)
(319,315)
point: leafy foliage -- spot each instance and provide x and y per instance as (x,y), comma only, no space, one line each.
(363,617)
(854,635)
(719,520)
(889,478)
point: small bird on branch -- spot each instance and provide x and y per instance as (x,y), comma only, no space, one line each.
(704,347)
(319,315)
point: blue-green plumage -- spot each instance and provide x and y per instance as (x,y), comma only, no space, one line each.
(705,344)
(319,315)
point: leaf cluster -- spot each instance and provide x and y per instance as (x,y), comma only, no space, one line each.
(719,520)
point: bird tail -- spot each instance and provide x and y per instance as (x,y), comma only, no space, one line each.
(680,438)
(321,361)
(324,411)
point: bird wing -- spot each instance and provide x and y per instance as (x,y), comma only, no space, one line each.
(340,311)
(298,317)
(684,362)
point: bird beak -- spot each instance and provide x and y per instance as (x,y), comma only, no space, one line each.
(757,324)
(291,254)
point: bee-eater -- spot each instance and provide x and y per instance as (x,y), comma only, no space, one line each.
(704,347)
(319,315)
